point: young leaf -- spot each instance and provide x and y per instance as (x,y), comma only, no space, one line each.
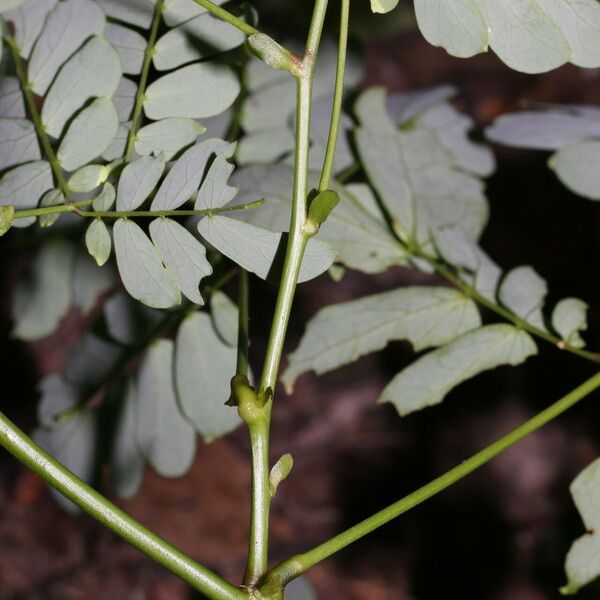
(186,174)
(105,199)
(18,144)
(6,218)
(569,317)
(88,178)
(205,387)
(138,180)
(196,91)
(183,255)
(429,379)
(167,137)
(23,186)
(224,315)
(66,28)
(52,198)
(141,267)
(532,37)
(280,471)
(260,251)
(79,81)
(340,334)
(89,134)
(130,46)
(98,242)
(322,206)
(165,437)
(127,461)
(523,291)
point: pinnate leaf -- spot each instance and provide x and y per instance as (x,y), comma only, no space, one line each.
(427,381)
(340,334)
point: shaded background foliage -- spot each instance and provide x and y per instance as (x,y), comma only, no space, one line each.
(500,534)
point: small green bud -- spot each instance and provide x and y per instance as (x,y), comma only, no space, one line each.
(244,396)
(7,214)
(279,472)
(320,208)
(273,54)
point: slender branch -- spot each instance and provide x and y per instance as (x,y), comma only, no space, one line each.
(141,91)
(37,119)
(75,208)
(225,15)
(243,319)
(297,241)
(471,292)
(112,517)
(295,566)
(338,97)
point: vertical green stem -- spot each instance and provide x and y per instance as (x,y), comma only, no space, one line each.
(297,240)
(37,119)
(338,97)
(141,91)
(112,517)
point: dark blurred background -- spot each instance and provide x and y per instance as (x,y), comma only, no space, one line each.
(501,534)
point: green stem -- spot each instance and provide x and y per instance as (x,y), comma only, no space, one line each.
(141,91)
(471,292)
(226,16)
(297,241)
(75,206)
(37,119)
(112,517)
(243,319)
(338,97)
(295,566)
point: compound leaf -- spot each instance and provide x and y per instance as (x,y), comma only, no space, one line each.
(261,251)
(78,81)
(582,566)
(66,28)
(186,174)
(195,91)
(138,180)
(89,134)
(42,298)
(98,241)
(141,267)
(183,255)
(340,334)
(427,381)
(167,136)
(204,366)
(569,318)
(165,437)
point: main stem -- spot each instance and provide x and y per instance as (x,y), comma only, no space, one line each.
(295,566)
(36,118)
(297,241)
(112,517)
